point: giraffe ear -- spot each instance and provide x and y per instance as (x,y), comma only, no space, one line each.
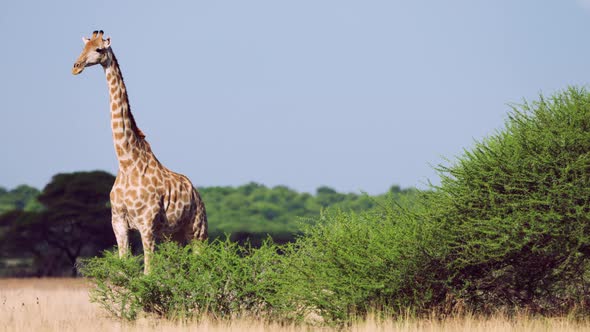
(85,40)
(107,42)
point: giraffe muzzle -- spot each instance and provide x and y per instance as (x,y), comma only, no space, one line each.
(78,68)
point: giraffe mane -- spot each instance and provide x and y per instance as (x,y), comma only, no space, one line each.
(134,127)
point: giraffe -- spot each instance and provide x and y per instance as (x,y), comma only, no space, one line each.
(146,195)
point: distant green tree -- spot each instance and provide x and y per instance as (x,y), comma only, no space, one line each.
(254,211)
(75,222)
(22,197)
(71,216)
(33,205)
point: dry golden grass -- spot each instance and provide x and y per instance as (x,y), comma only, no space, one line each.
(62,305)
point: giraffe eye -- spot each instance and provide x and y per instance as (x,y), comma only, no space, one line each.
(99,50)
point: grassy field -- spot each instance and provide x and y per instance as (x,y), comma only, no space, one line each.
(62,305)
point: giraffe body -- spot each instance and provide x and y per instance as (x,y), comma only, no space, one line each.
(146,196)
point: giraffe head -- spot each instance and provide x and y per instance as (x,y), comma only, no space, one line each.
(95,51)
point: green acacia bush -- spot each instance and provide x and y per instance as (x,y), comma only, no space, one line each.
(221,279)
(115,283)
(348,264)
(516,210)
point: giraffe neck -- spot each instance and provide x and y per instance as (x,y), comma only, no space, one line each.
(129,140)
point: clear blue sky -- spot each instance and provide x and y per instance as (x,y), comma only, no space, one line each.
(355,95)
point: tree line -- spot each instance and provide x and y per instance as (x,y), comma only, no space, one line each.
(45,232)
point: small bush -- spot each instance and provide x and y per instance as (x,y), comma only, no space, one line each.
(221,279)
(349,264)
(115,283)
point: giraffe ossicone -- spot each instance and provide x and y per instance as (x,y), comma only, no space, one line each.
(146,195)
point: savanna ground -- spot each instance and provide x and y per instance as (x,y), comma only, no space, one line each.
(63,305)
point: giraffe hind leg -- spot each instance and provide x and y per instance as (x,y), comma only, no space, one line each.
(200,225)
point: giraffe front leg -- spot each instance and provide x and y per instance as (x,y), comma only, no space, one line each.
(121,230)
(148,242)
